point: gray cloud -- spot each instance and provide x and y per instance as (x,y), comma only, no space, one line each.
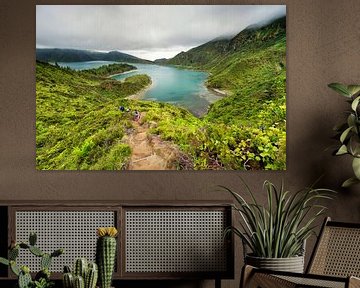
(143,27)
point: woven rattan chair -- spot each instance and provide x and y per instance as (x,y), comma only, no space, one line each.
(334,263)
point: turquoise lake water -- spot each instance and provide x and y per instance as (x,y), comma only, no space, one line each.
(182,87)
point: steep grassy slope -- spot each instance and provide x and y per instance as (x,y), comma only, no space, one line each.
(201,55)
(78,123)
(251,68)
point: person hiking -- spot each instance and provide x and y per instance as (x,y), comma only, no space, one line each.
(136,115)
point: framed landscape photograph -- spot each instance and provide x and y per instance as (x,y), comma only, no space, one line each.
(161,87)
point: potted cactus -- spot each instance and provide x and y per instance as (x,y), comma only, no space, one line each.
(106,254)
(84,275)
(42,278)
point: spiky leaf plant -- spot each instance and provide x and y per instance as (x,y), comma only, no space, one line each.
(279,229)
(349,132)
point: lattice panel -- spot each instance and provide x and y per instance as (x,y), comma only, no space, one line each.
(344,259)
(309,282)
(175,241)
(338,253)
(75,231)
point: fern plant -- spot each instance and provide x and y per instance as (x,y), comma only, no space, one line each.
(279,229)
(349,132)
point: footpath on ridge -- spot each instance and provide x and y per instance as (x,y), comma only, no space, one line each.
(150,152)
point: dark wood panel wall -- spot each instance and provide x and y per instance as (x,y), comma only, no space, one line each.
(323,40)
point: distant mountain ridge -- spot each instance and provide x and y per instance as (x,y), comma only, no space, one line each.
(253,36)
(74,55)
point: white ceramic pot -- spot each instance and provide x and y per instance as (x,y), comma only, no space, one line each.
(291,264)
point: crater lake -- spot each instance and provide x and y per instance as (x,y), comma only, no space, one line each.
(182,87)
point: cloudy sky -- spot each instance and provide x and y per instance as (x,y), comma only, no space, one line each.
(145,31)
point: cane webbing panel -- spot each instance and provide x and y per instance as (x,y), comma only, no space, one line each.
(267,280)
(175,241)
(313,282)
(338,252)
(74,231)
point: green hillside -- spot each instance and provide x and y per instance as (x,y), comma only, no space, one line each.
(79,125)
(251,68)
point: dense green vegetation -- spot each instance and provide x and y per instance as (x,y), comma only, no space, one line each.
(246,129)
(79,125)
(110,69)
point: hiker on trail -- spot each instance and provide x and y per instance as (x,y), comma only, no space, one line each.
(136,115)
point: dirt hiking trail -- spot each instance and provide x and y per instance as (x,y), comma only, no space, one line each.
(149,152)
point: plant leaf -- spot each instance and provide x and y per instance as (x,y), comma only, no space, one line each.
(351,120)
(349,182)
(353,89)
(345,134)
(356,167)
(342,150)
(354,145)
(341,89)
(4,261)
(355,103)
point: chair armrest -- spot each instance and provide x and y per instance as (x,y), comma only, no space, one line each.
(253,278)
(354,282)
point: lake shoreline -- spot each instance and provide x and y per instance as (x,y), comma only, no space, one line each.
(218,92)
(122,73)
(140,94)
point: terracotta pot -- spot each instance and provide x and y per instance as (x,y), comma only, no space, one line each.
(291,264)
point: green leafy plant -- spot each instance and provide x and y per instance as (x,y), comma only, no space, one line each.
(42,278)
(279,229)
(349,132)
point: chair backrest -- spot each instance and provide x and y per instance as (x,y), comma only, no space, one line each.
(337,251)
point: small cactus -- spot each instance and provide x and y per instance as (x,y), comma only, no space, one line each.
(14,268)
(80,268)
(44,273)
(36,251)
(84,274)
(24,246)
(105,254)
(79,282)
(32,238)
(67,269)
(57,252)
(68,280)
(24,279)
(13,253)
(45,261)
(91,276)
(23,273)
